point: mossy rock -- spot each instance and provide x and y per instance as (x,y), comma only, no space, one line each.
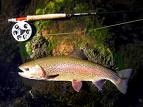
(37,47)
(62,37)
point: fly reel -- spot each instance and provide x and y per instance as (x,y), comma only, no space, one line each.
(21,31)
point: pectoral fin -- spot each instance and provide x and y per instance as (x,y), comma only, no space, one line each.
(76,85)
(52,76)
(40,70)
(42,73)
(99,84)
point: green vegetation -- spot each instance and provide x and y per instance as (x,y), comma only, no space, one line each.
(15,91)
(83,36)
(38,47)
(84,25)
(100,54)
(23,52)
(119,61)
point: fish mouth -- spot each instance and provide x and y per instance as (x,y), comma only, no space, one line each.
(25,74)
(22,72)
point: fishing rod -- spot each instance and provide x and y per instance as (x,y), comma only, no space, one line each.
(22,30)
(64,15)
(48,16)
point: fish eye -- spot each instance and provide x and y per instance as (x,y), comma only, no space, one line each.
(26,69)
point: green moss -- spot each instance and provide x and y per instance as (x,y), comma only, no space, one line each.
(38,47)
(28,48)
(97,51)
(101,35)
(81,7)
(119,60)
(100,54)
(23,51)
(88,22)
(52,44)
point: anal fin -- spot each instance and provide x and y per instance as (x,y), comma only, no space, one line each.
(99,84)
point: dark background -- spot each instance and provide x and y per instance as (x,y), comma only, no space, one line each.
(127,40)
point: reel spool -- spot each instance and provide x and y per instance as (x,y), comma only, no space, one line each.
(21,31)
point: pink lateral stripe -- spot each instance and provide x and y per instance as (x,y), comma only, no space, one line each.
(21,18)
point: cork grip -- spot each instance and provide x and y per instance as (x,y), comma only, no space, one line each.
(46,16)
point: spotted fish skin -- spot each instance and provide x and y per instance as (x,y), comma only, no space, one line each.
(71,69)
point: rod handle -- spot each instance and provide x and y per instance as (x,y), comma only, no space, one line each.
(46,16)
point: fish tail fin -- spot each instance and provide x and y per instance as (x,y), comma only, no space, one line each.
(122,84)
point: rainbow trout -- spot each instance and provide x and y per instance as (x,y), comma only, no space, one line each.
(75,70)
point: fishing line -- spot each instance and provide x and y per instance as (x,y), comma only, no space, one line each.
(118,24)
(95,11)
(108,26)
(51,34)
(22,30)
(121,11)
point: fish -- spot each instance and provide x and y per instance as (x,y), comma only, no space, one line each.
(64,68)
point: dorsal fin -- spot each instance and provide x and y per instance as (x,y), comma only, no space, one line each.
(77,53)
